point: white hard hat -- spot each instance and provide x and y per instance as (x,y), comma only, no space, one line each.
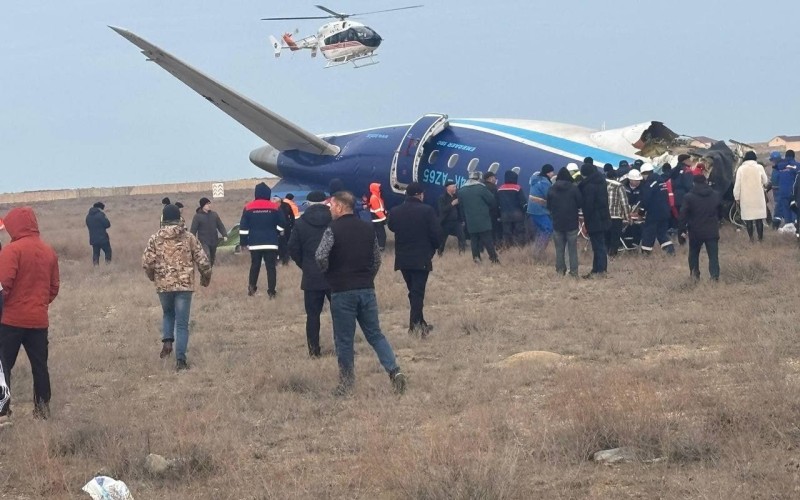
(634,175)
(647,167)
(572,167)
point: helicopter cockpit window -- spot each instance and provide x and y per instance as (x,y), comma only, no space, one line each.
(473,165)
(452,161)
(433,157)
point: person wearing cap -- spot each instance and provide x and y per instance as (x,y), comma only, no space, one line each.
(451,218)
(596,216)
(208,227)
(490,181)
(619,210)
(787,173)
(655,203)
(29,283)
(564,201)
(349,257)
(170,259)
(478,205)
(748,191)
(97,223)
(303,243)
(416,239)
(774,158)
(540,184)
(511,202)
(701,212)
(575,172)
(260,227)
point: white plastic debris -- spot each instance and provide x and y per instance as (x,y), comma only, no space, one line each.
(787,229)
(107,488)
(5,393)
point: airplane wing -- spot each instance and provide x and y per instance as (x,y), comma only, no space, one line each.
(271,127)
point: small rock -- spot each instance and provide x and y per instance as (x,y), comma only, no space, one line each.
(532,357)
(615,456)
(156,464)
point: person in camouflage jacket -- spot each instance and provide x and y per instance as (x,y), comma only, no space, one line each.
(170,259)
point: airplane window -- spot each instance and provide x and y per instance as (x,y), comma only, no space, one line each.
(516,170)
(494,167)
(473,165)
(433,157)
(452,161)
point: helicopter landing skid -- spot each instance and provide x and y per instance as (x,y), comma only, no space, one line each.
(369,60)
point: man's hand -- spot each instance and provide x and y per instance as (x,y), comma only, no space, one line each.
(224,238)
(205,280)
(454,202)
(682,239)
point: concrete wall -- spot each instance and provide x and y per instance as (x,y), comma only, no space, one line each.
(99,193)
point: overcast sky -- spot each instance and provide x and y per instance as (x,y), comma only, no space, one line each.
(82,108)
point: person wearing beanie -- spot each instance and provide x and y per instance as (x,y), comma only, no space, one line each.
(608,171)
(511,201)
(451,218)
(303,243)
(478,205)
(540,184)
(260,228)
(596,217)
(701,212)
(787,173)
(98,224)
(170,259)
(416,239)
(208,228)
(564,201)
(490,181)
(165,201)
(655,201)
(748,191)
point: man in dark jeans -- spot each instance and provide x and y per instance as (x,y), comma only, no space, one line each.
(303,243)
(701,211)
(416,238)
(596,215)
(259,230)
(29,279)
(98,224)
(350,257)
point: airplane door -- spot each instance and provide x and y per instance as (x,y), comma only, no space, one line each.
(407,156)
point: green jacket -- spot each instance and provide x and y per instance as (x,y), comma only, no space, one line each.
(476,202)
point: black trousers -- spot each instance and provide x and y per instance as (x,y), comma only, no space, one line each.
(283,247)
(34,340)
(513,232)
(380,233)
(479,241)
(314,301)
(453,229)
(712,249)
(613,236)
(105,248)
(211,252)
(759,228)
(416,281)
(270,258)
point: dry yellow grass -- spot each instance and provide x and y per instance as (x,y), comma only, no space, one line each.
(704,376)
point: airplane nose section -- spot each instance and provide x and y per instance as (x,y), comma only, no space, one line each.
(266,158)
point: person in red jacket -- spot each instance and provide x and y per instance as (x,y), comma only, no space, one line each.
(30,282)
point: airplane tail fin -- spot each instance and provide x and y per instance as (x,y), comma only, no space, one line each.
(287,37)
(276,45)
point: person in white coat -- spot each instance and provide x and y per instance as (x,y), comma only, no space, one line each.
(748,191)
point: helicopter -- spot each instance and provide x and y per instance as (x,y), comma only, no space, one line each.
(341,42)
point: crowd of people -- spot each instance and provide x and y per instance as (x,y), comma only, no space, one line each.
(339,240)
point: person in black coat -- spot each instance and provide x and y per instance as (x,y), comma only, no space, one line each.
(451,218)
(303,243)
(701,211)
(564,200)
(655,201)
(283,240)
(512,203)
(416,236)
(98,224)
(490,181)
(596,216)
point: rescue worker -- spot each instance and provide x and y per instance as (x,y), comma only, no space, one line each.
(259,231)
(748,191)
(511,202)
(451,218)
(540,216)
(787,172)
(632,233)
(376,208)
(575,172)
(289,199)
(286,233)
(655,201)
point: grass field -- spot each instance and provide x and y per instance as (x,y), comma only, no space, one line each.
(705,379)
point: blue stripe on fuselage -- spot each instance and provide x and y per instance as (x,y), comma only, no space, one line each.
(559,143)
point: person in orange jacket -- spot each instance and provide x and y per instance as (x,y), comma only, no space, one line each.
(378,212)
(289,199)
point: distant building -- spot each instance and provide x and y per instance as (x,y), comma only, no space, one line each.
(702,141)
(786,141)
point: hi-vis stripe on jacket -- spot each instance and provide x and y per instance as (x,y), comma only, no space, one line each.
(261,225)
(376,203)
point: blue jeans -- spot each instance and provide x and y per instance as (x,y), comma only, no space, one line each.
(362,306)
(175,322)
(544,228)
(566,240)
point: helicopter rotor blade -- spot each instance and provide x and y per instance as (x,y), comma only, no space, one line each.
(387,10)
(333,13)
(293,18)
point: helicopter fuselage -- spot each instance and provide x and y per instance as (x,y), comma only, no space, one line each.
(345,40)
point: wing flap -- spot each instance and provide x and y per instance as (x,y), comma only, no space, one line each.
(269,126)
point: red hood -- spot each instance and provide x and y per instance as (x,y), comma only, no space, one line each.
(21,222)
(375,188)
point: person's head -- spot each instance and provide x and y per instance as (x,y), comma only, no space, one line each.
(263,192)
(790,154)
(637,164)
(588,161)
(99,205)
(564,175)
(289,196)
(510,177)
(608,169)
(315,197)
(547,170)
(666,169)
(165,201)
(775,157)
(623,164)
(488,177)
(699,180)
(750,156)
(342,203)
(335,185)
(415,190)
(450,187)
(683,159)
(170,215)
(475,176)
(572,168)
(587,169)
(646,170)
(634,178)
(205,204)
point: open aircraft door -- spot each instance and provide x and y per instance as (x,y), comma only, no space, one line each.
(407,156)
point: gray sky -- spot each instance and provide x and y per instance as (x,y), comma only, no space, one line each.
(82,108)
